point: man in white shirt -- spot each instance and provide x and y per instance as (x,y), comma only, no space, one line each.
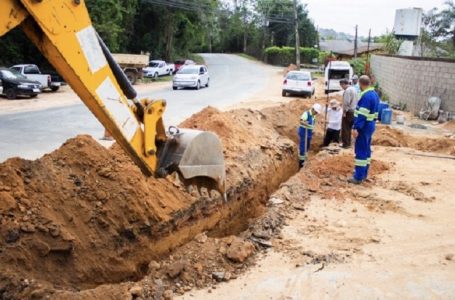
(334,116)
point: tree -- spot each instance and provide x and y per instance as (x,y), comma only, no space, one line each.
(391,43)
(447,22)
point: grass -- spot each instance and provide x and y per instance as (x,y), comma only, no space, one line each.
(317,74)
(249,57)
(196,58)
(160,79)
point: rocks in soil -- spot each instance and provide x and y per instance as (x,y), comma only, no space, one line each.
(168,295)
(218,276)
(201,238)
(154,265)
(239,250)
(175,269)
(136,291)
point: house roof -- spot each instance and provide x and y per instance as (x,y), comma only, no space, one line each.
(347,47)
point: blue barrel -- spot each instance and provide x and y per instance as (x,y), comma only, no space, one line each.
(382,106)
(386,116)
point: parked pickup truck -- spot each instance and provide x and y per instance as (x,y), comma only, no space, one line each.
(158,68)
(132,65)
(32,72)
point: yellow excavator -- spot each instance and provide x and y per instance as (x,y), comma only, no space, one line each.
(63,32)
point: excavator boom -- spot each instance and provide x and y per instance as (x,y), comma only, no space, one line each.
(63,33)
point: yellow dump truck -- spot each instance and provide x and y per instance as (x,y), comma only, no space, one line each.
(132,65)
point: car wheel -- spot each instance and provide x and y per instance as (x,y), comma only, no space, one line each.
(208,83)
(55,88)
(33,95)
(284,94)
(10,94)
(174,88)
(198,86)
(155,76)
(170,73)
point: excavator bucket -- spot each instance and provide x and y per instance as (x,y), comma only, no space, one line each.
(197,156)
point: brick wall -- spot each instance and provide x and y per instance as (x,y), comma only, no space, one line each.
(413,80)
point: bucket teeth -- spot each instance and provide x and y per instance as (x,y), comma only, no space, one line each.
(197,156)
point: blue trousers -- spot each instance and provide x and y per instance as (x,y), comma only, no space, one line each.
(363,152)
(305,137)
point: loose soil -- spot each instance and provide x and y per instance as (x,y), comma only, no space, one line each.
(88,209)
(84,223)
(387,136)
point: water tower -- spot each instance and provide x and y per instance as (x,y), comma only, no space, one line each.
(408,23)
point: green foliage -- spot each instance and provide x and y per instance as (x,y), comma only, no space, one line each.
(438,32)
(391,43)
(113,20)
(284,56)
(358,64)
(323,56)
(135,26)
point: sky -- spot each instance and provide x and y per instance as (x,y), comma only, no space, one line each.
(379,15)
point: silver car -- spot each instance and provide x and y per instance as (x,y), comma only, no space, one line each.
(191,76)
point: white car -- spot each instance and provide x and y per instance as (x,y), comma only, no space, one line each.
(192,76)
(298,83)
(158,68)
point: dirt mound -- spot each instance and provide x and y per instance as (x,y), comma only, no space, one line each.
(441,145)
(85,215)
(327,174)
(81,208)
(390,137)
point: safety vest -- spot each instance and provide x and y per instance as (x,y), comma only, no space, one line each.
(310,119)
(363,111)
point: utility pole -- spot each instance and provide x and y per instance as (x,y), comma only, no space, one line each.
(367,65)
(355,42)
(297,36)
(369,41)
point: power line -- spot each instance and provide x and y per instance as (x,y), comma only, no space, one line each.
(180,4)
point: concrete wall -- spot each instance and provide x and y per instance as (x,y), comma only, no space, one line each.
(412,80)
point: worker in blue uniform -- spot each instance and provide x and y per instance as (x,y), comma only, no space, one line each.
(307,123)
(365,117)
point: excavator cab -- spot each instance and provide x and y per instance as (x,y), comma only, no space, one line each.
(63,32)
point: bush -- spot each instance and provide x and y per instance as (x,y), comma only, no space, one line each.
(284,56)
(358,65)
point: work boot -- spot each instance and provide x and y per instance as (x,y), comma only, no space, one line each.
(354,181)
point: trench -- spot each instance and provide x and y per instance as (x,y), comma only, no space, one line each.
(255,171)
(245,203)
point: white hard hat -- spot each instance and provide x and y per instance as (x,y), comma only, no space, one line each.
(317,108)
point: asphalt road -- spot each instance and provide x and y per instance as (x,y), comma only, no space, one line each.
(32,134)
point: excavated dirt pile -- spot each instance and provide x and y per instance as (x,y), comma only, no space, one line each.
(85,215)
(390,137)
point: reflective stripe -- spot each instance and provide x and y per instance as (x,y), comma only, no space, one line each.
(302,157)
(366,91)
(310,127)
(366,113)
(361,162)
(369,161)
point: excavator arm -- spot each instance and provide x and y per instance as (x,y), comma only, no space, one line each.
(63,33)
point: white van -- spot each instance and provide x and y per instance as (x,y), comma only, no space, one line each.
(334,72)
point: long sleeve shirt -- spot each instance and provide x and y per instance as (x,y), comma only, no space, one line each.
(367,109)
(350,99)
